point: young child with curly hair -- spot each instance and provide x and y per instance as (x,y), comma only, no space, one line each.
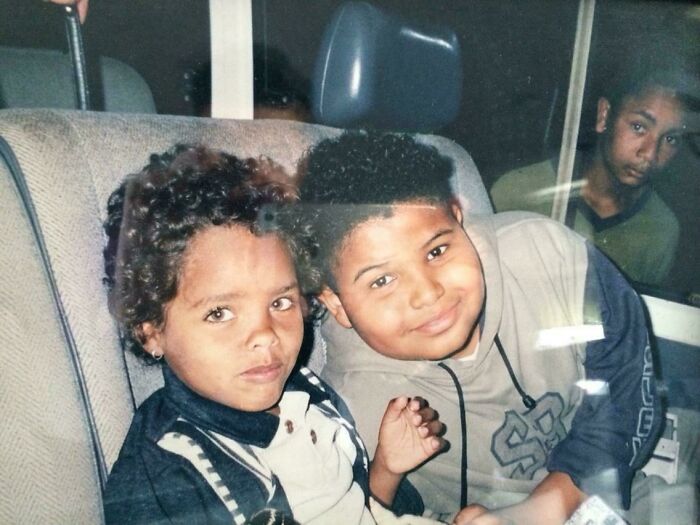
(200,279)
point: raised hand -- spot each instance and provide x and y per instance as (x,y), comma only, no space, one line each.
(410,433)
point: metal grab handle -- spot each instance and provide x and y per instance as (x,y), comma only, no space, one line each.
(77,55)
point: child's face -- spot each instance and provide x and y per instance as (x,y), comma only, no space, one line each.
(643,137)
(411,284)
(233,331)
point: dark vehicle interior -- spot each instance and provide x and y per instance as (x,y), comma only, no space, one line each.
(492,84)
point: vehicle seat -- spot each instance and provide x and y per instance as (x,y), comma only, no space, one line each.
(375,69)
(68,389)
(43,78)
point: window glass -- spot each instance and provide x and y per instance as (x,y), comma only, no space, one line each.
(165,42)
(635,158)
(643,64)
(516,59)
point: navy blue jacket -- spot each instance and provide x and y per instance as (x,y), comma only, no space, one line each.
(151,485)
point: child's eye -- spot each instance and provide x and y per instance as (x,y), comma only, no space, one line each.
(219,314)
(672,140)
(637,127)
(437,252)
(282,304)
(382,281)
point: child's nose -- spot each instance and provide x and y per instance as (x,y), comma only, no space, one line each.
(648,149)
(425,291)
(262,334)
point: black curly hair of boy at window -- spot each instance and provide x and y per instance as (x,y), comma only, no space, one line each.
(153,215)
(359,175)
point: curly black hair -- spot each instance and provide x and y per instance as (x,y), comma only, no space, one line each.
(359,175)
(153,215)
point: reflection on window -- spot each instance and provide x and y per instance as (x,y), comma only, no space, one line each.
(638,127)
(641,108)
(155,44)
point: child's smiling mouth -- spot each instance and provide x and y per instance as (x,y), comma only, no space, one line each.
(439,323)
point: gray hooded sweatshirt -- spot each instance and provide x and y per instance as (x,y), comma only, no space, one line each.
(573,338)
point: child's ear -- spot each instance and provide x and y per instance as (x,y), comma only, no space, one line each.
(150,338)
(332,302)
(456,210)
(601,123)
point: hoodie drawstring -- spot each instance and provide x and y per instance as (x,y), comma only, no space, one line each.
(527,400)
(463,424)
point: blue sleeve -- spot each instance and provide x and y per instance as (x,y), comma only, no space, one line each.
(132,497)
(148,485)
(616,427)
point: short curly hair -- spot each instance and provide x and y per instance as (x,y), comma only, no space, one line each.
(153,215)
(359,175)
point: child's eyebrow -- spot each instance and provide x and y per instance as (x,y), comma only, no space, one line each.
(215,299)
(644,113)
(287,288)
(439,234)
(367,269)
(218,298)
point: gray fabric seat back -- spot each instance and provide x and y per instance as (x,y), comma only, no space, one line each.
(68,390)
(43,78)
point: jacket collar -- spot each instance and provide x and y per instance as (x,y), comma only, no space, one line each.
(254,428)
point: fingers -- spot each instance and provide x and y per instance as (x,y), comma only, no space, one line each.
(418,413)
(435,443)
(421,407)
(80,5)
(432,428)
(395,408)
(424,415)
(469,513)
(427,423)
(417,403)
